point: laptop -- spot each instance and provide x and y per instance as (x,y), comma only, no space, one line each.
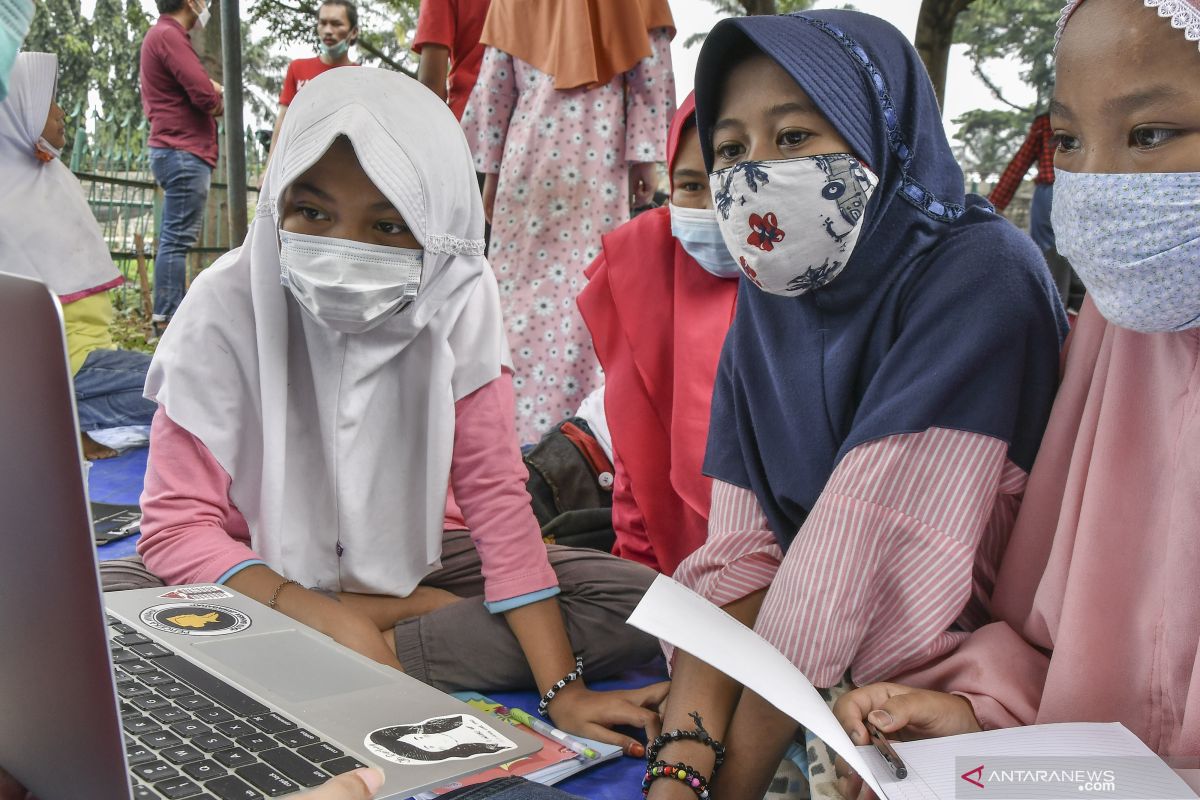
(177,692)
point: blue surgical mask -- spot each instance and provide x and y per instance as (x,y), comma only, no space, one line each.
(336,51)
(1134,240)
(697,230)
(15,17)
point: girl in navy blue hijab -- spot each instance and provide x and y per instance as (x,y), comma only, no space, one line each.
(884,386)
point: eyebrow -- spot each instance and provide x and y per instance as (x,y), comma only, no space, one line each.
(689,173)
(779,110)
(1138,100)
(304,186)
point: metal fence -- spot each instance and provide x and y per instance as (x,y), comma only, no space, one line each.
(112,161)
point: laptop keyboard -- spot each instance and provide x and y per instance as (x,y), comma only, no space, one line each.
(190,734)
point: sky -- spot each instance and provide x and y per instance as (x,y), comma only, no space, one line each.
(963,90)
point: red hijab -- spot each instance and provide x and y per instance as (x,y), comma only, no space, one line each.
(658,321)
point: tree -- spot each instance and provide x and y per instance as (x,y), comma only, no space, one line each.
(117,31)
(988,138)
(935,34)
(59,27)
(385,27)
(752,7)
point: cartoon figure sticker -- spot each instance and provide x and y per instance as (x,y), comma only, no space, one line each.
(195,619)
(200,593)
(453,738)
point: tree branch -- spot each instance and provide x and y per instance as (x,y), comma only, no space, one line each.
(977,71)
(364,45)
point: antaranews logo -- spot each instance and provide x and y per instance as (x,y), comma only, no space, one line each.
(1067,778)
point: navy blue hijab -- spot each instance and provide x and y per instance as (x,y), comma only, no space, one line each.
(945,315)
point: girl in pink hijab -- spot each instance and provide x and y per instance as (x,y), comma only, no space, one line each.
(1097,603)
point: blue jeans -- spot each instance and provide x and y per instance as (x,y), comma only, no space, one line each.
(185,179)
(1040,229)
(108,390)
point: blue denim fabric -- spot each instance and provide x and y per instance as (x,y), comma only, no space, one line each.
(108,390)
(1040,229)
(185,179)
(510,789)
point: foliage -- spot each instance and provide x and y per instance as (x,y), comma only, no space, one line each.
(386,27)
(740,8)
(59,27)
(988,138)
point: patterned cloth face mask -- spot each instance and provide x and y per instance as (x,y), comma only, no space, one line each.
(700,235)
(792,224)
(1134,239)
(348,286)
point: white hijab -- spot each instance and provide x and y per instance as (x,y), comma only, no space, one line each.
(47,230)
(336,441)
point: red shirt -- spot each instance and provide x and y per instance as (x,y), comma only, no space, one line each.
(1039,146)
(300,72)
(457,25)
(177,95)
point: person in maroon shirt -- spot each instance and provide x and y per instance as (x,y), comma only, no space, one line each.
(447,40)
(182,103)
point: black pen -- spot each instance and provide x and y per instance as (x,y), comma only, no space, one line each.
(884,748)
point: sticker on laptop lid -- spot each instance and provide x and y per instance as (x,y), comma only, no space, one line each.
(195,619)
(197,593)
(454,738)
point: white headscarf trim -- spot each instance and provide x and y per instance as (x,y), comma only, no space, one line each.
(47,230)
(339,446)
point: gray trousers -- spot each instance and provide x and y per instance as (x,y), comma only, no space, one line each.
(463,646)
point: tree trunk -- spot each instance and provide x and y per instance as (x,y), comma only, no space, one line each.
(935,34)
(759,6)
(207,41)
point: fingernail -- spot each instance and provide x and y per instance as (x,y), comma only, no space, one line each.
(373,778)
(880,718)
(857,736)
(635,749)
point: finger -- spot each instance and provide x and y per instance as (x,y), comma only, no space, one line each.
(651,696)
(361,784)
(623,712)
(628,745)
(904,710)
(852,708)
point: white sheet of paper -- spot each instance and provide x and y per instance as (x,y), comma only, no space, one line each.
(676,614)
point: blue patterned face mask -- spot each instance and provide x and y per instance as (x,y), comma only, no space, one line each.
(1134,239)
(15,16)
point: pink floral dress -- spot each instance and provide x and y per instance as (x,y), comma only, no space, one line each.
(563,159)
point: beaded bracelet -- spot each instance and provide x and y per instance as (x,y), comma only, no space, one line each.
(574,675)
(699,734)
(681,772)
(278,589)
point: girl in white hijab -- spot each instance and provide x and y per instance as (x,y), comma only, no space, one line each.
(323,386)
(48,233)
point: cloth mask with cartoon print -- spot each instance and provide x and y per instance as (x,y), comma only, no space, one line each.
(348,286)
(792,224)
(1134,239)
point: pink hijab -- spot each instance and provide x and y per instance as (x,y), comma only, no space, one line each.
(1098,594)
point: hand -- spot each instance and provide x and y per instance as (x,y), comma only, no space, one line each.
(581,711)
(907,712)
(345,625)
(643,182)
(385,611)
(218,88)
(361,784)
(490,181)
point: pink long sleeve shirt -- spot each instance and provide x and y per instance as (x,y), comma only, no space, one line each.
(193,533)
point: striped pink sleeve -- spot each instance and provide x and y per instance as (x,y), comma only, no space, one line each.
(740,556)
(885,564)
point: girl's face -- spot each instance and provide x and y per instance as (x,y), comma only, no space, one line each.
(764,116)
(55,130)
(689,181)
(335,198)
(1127,95)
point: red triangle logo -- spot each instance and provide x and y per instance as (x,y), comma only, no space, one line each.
(977,780)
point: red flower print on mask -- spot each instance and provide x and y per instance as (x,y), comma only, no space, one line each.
(765,232)
(749,271)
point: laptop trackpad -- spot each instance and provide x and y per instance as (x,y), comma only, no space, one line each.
(291,665)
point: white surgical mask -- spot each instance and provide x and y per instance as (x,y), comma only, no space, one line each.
(1134,240)
(697,230)
(792,224)
(203,16)
(335,51)
(348,286)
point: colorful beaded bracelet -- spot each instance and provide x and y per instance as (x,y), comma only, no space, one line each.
(699,734)
(681,772)
(574,675)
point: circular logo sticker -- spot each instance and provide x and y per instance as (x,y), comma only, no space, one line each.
(195,619)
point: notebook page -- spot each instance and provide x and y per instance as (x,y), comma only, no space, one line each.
(676,614)
(934,760)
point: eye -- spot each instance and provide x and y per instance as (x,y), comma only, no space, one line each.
(1064,143)
(729,151)
(693,187)
(391,228)
(311,214)
(793,138)
(1149,138)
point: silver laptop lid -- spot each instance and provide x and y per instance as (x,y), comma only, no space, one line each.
(61,730)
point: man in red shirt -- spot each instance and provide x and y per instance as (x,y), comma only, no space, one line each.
(182,103)
(337,29)
(447,40)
